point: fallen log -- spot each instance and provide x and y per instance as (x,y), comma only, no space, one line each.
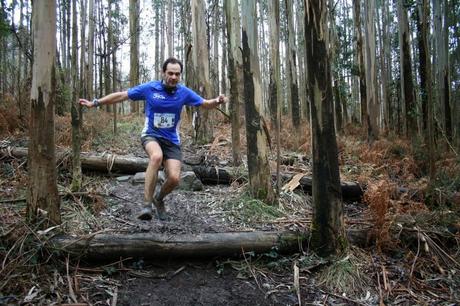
(154,245)
(351,191)
(212,175)
(91,161)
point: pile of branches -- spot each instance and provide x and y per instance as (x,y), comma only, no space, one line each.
(32,272)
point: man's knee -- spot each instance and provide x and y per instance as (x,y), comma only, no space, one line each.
(155,159)
(173,179)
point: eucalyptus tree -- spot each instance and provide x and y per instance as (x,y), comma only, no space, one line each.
(386,63)
(234,73)
(274,63)
(83,43)
(214,33)
(360,55)
(256,129)
(328,234)
(292,71)
(42,194)
(334,58)
(4,35)
(170,28)
(423,25)
(200,60)
(274,85)
(442,64)
(75,108)
(90,71)
(134,49)
(157,17)
(106,14)
(371,73)
(407,82)
(112,63)
(303,94)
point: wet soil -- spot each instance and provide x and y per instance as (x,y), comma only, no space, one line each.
(196,283)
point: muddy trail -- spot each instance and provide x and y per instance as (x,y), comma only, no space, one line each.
(196,283)
(142,280)
(409,258)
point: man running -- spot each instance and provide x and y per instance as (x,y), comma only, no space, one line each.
(160,139)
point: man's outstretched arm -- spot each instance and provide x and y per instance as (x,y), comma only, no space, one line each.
(109,99)
(212,103)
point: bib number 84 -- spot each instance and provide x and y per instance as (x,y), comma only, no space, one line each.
(163,120)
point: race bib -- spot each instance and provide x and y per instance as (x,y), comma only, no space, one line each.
(163,120)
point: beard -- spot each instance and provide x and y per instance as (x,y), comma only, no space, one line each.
(168,86)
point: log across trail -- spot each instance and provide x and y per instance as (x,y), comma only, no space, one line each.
(106,246)
(351,191)
(154,245)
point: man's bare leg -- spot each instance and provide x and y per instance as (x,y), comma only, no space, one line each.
(151,175)
(172,168)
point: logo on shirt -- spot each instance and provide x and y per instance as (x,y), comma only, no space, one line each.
(158,96)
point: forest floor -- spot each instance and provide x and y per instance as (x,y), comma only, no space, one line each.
(413,258)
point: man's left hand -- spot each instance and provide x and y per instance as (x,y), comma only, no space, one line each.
(221,99)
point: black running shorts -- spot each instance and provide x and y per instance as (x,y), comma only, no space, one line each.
(170,150)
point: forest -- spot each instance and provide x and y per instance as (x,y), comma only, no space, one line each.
(326,171)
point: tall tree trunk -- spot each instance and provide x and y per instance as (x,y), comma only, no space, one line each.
(158,60)
(224,56)
(423,17)
(20,60)
(337,105)
(68,50)
(62,35)
(342,78)
(274,86)
(256,129)
(200,56)
(170,28)
(383,65)
(215,46)
(82,86)
(371,73)
(90,70)
(292,71)
(234,63)
(101,49)
(328,234)
(134,49)
(42,195)
(113,51)
(75,107)
(388,67)
(361,68)
(407,85)
(162,33)
(107,59)
(333,59)
(446,74)
(300,12)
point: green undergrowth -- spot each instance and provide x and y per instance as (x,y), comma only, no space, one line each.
(248,210)
(272,261)
(443,191)
(127,135)
(347,275)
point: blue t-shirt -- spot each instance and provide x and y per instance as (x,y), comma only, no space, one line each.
(163,108)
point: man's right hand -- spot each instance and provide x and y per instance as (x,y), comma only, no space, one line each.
(86,103)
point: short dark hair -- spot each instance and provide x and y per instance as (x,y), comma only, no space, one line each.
(172,60)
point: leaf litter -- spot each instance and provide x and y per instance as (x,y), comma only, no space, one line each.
(414,259)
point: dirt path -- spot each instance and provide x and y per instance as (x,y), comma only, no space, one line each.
(211,281)
(194,284)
